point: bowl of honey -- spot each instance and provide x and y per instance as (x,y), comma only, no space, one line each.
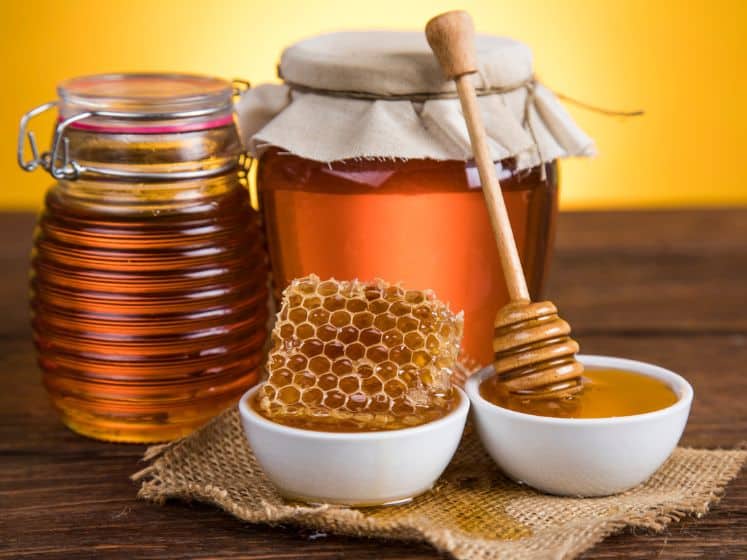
(611,437)
(358,407)
(353,468)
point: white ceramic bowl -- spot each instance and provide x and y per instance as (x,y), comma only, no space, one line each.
(358,469)
(583,457)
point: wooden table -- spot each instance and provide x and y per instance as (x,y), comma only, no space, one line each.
(665,287)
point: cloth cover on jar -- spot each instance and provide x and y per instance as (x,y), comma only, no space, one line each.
(380,94)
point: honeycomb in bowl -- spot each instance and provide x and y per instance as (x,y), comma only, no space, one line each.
(354,356)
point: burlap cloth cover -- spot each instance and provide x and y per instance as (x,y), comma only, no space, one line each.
(381,95)
(473,512)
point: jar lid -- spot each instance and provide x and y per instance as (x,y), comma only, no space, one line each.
(171,95)
(396,63)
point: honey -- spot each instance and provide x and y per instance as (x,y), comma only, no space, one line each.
(607,393)
(142,336)
(350,356)
(419,222)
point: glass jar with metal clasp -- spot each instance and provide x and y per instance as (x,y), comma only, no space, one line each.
(149,275)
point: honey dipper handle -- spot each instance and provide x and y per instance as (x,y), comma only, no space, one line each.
(451,37)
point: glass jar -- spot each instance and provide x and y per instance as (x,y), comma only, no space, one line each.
(421,222)
(148,284)
(365,168)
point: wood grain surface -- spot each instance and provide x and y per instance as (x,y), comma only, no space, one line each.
(665,287)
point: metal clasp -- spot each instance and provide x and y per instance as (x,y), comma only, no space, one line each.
(67,169)
(23,133)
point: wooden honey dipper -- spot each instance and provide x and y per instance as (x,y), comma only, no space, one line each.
(534,354)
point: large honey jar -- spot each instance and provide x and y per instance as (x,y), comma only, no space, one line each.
(148,270)
(365,169)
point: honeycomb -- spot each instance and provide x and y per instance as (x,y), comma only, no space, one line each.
(360,356)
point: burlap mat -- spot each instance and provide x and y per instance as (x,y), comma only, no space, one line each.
(473,513)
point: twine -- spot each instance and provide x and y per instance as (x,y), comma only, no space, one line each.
(529,85)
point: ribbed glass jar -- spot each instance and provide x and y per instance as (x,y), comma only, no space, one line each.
(148,285)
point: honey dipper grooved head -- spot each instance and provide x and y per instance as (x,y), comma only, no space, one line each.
(534,354)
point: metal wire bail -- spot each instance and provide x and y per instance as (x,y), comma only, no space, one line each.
(69,169)
(24,133)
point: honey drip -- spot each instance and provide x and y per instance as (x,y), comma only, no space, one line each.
(349,356)
(534,354)
(607,393)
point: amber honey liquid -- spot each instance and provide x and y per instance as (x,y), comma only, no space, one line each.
(148,314)
(420,222)
(607,393)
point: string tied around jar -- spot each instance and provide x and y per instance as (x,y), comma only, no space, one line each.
(529,85)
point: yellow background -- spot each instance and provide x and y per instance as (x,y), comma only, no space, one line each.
(681,61)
